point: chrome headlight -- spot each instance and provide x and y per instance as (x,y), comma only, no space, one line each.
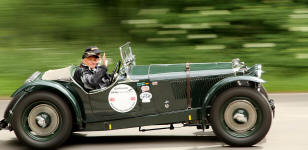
(259,70)
(33,76)
(238,66)
(236,63)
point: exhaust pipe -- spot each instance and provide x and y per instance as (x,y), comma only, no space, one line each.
(3,124)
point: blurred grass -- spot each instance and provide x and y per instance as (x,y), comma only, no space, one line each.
(42,35)
(21,63)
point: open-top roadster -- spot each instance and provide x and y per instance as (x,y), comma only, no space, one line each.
(228,96)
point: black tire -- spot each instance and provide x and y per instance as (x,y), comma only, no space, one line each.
(57,116)
(251,106)
(263,91)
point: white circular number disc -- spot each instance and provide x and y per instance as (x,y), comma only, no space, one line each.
(122,98)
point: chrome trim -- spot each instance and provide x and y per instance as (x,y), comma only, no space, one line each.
(121,47)
(259,70)
(128,59)
(32,77)
(179,75)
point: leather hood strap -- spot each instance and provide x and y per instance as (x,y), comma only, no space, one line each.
(187,70)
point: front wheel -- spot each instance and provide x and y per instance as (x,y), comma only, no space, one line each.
(42,120)
(241,117)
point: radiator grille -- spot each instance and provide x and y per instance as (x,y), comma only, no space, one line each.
(199,87)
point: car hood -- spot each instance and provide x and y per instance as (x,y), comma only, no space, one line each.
(175,71)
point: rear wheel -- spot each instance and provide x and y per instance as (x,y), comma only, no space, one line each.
(241,117)
(42,120)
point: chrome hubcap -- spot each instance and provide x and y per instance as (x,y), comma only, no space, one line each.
(240,116)
(43,120)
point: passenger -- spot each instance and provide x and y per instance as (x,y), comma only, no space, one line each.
(89,74)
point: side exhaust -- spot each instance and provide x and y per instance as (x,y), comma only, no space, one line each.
(3,124)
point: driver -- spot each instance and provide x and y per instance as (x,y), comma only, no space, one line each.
(89,74)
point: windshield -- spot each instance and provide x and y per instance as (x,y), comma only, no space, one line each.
(127,56)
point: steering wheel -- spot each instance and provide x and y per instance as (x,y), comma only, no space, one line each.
(115,70)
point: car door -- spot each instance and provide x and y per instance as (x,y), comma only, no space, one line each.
(122,100)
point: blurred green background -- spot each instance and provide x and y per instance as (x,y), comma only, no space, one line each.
(41,35)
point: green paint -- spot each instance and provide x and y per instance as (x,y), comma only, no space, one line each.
(44,84)
(166,68)
(139,70)
(156,69)
(224,82)
(161,118)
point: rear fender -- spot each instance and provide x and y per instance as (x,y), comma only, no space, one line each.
(45,84)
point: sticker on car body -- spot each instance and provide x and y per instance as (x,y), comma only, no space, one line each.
(147,83)
(146,97)
(155,83)
(122,98)
(145,88)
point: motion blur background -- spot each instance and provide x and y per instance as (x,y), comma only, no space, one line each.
(41,35)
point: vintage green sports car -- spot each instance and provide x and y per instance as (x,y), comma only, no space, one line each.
(227,96)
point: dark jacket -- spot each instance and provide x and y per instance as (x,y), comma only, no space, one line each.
(91,79)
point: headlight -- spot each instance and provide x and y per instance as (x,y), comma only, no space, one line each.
(33,76)
(238,66)
(236,63)
(259,70)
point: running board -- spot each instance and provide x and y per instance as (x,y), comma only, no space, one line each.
(143,130)
(199,126)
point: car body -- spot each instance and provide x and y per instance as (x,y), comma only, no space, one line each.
(228,96)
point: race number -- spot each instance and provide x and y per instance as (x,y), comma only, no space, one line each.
(122,98)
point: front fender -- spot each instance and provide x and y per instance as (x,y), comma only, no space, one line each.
(209,97)
(43,84)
